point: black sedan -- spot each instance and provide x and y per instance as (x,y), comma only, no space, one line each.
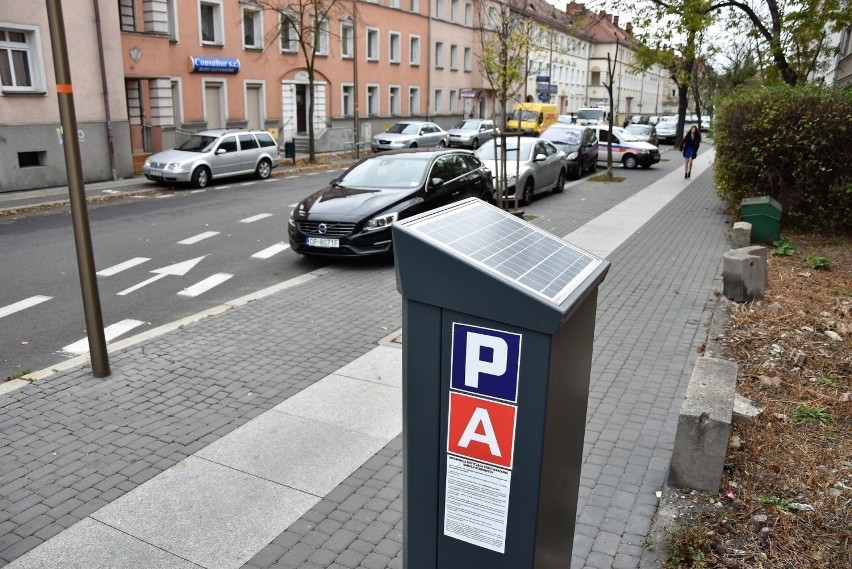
(354,214)
(580,145)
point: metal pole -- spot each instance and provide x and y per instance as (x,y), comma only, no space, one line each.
(355,76)
(76,190)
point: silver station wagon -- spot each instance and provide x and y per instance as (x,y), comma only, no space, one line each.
(213,154)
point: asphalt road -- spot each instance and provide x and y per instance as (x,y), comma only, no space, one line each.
(160,257)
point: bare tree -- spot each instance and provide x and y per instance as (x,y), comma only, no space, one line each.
(611,66)
(303,25)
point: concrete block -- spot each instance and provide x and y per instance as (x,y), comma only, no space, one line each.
(741,235)
(704,425)
(745,409)
(743,275)
(763,254)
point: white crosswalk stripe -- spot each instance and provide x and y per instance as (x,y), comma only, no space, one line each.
(270,251)
(110,333)
(23,305)
(115,269)
(257,217)
(205,285)
(196,238)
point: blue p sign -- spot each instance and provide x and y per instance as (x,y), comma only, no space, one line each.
(485,361)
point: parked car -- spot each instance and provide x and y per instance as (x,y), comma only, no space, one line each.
(566,119)
(705,123)
(667,130)
(353,216)
(653,119)
(579,144)
(211,154)
(532,164)
(638,119)
(411,134)
(646,132)
(626,148)
(471,133)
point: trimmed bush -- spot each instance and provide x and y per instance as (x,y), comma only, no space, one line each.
(793,144)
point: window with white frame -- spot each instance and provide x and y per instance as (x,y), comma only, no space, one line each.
(454,100)
(20,61)
(414,101)
(393,3)
(372,100)
(468,59)
(252,28)
(210,20)
(347,99)
(454,57)
(438,102)
(439,9)
(414,6)
(347,39)
(288,33)
(468,14)
(320,31)
(454,10)
(393,99)
(439,55)
(414,50)
(394,48)
(171,14)
(372,44)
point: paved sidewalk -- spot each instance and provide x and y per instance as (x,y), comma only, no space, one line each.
(267,436)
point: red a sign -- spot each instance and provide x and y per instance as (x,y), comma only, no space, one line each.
(481,429)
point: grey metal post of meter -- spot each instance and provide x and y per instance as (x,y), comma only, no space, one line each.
(498,323)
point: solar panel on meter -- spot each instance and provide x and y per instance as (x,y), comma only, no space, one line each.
(504,244)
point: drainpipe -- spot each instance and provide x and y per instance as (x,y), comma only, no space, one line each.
(107,116)
(429,69)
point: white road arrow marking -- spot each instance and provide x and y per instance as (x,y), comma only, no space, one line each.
(115,269)
(22,305)
(270,251)
(110,333)
(205,285)
(178,269)
(197,238)
(257,217)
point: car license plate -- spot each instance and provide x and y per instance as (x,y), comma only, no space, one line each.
(155,174)
(322,242)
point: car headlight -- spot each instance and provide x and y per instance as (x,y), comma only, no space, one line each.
(573,156)
(644,151)
(147,163)
(381,221)
(292,220)
(173,166)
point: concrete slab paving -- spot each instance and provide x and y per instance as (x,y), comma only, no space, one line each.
(381,365)
(212,515)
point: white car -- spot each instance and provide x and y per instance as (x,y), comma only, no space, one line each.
(536,167)
(627,149)
(411,134)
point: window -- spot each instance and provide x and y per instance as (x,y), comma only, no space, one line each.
(414,6)
(320,31)
(414,100)
(20,62)
(439,9)
(247,142)
(468,59)
(372,100)
(228,144)
(454,98)
(454,57)
(347,100)
(454,10)
(414,50)
(393,99)
(252,29)
(171,14)
(394,47)
(596,77)
(31,159)
(439,55)
(393,3)
(347,39)
(438,102)
(468,14)
(210,18)
(372,44)
(289,33)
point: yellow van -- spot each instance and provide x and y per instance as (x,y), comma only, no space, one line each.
(532,118)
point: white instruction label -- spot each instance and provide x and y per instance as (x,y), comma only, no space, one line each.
(477,503)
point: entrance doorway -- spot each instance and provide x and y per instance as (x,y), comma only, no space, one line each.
(301,108)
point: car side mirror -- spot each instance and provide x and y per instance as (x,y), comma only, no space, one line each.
(435,183)
(540,157)
(220,151)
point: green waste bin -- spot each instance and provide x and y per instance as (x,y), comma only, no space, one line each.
(764,214)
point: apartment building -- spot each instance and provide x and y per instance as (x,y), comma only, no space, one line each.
(31,147)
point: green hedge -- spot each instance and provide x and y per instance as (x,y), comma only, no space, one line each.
(791,143)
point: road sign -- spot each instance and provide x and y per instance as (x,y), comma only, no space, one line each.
(481,429)
(485,361)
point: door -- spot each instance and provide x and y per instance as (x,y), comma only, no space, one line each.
(253,106)
(226,157)
(301,109)
(550,166)
(213,105)
(249,152)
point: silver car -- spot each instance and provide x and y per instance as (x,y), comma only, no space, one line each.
(533,164)
(213,154)
(471,133)
(411,134)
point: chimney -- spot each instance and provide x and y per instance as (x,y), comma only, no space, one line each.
(629,28)
(615,21)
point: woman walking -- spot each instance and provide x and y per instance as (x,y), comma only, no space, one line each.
(689,147)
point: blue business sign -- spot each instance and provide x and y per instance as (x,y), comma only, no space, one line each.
(214,64)
(485,361)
